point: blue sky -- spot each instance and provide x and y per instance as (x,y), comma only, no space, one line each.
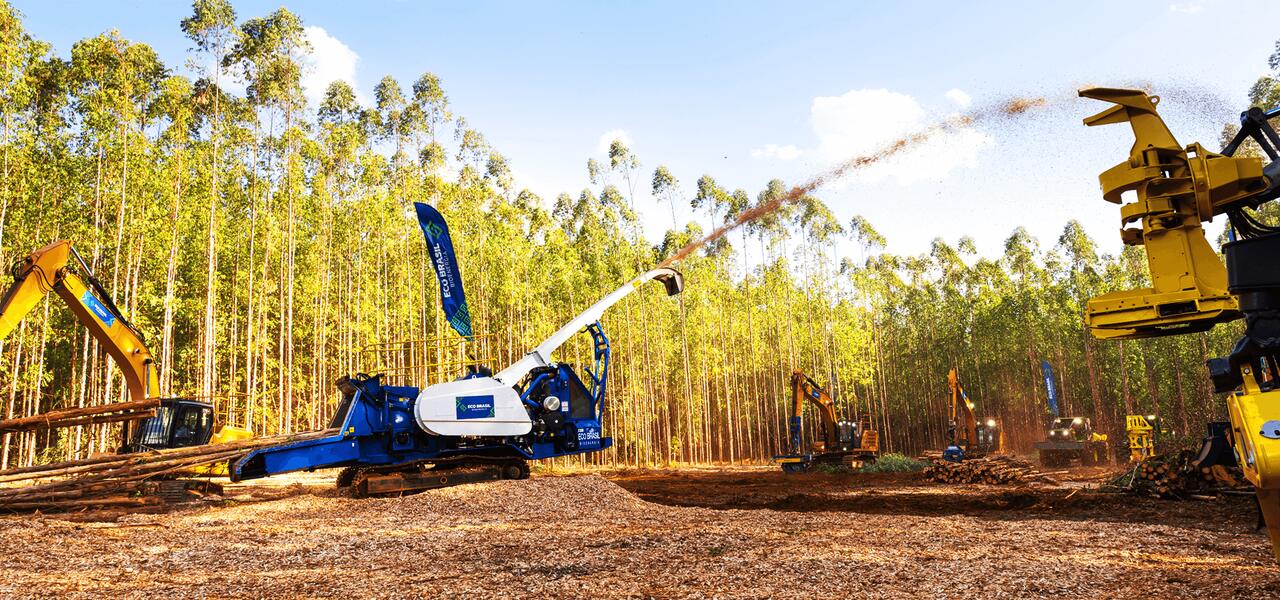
(749,91)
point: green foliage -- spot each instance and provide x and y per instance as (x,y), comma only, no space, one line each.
(894,463)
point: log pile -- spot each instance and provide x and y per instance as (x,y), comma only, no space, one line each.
(129,480)
(994,470)
(1176,476)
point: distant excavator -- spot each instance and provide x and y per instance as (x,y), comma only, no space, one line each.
(841,443)
(150,422)
(967,435)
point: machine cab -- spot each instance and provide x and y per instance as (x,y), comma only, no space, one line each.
(178,423)
(1077,429)
(849,435)
(989,436)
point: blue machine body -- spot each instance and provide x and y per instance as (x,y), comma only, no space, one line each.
(375,425)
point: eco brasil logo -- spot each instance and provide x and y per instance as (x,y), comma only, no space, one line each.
(474,407)
(433,230)
(100,311)
(589,438)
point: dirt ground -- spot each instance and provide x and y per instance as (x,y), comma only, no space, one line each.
(725,533)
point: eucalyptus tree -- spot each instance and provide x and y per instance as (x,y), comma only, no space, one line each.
(112,80)
(625,162)
(174,106)
(666,188)
(267,57)
(211,27)
(393,122)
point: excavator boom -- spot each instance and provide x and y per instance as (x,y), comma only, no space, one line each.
(58,268)
(802,387)
(963,422)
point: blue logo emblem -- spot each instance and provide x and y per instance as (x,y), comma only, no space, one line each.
(96,307)
(589,437)
(475,407)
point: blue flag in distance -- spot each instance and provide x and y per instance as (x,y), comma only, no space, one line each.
(1049,386)
(440,247)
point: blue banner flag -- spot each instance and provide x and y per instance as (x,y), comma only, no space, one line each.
(440,247)
(1050,387)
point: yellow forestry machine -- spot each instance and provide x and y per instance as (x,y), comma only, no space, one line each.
(1146,435)
(1165,191)
(967,435)
(150,422)
(1071,439)
(841,443)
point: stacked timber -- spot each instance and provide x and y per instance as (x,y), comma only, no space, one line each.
(995,470)
(1176,475)
(121,480)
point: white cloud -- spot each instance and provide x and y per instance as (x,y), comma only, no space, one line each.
(959,97)
(862,122)
(788,152)
(330,61)
(546,193)
(1186,8)
(606,138)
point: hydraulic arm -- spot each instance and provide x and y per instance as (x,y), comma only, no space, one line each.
(1174,190)
(801,388)
(59,268)
(964,424)
(977,437)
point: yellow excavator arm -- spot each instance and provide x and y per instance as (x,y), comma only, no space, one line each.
(964,423)
(802,387)
(59,268)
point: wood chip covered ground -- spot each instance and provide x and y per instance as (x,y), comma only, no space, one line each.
(740,533)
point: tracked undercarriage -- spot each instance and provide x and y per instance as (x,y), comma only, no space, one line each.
(395,480)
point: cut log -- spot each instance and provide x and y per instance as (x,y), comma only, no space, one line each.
(43,420)
(68,504)
(990,470)
(90,420)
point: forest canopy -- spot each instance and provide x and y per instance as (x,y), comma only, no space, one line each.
(260,244)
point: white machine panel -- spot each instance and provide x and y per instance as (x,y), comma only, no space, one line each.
(480,406)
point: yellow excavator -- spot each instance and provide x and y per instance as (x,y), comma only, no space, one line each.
(967,435)
(150,422)
(1165,191)
(847,443)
